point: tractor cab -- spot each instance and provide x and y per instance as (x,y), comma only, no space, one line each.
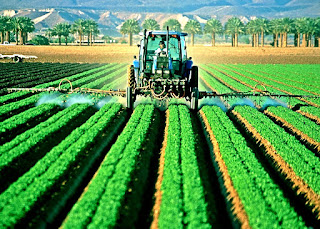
(163,70)
(171,63)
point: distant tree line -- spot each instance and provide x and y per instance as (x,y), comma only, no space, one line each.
(280,28)
(19,26)
(80,27)
(305,30)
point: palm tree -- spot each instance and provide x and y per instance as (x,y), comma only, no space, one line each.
(78,27)
(193,27)
(299,26)
(310,29)
(61,29)
(173,24)
(49,34)
(317,33)
(130,26)
(234,27)
(253,28)
(286,25)
(263,26)
(275,29)
(91,27)
(17,26)
(213,26)
(8,27)
(66,28)
(2,28)
(27,27)
(150,24)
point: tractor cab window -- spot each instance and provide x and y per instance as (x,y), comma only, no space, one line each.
(174,48)
(153,45)
(183,49)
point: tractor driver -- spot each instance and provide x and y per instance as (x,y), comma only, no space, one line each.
(162,49)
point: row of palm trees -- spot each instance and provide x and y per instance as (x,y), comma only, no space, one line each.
(258,28)
(20,26)
(80,27)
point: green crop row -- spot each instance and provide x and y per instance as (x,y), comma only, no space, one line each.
(25,142)
(100,205)
(97,77)
(25,194)
(116,83)
(18,105)
(183,198)
(267,80)
(33,99)
(28,118)
(315,111)
(232,82)
(51,73)
(55,83)
(263,200)
(304,163)
(214,83)
(298,121)
(293,74)
(252,81)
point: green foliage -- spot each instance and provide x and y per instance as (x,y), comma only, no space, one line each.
(151,24)
(193,27)
(173,25)
(234,26)
(51,169)
(130,26)
(39,40)
(101,204)
(300,122)
(181,183)
(303,162)
(263,200)
(213,26)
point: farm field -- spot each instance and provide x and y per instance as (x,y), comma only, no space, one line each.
(200,54)
(85,161)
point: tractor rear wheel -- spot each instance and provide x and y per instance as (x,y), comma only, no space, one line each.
(194,77)
(130,73)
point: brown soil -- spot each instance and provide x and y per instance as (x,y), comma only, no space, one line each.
(297,183)
(201,54)
(158,194)
(233,197)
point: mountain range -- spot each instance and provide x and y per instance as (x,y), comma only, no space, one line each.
(110,14)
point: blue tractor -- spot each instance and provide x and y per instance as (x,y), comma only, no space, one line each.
(163,70)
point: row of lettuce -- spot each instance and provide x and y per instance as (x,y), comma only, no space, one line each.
(255,199)
(105,76)
(182,200)
(27,193)
(234,78)
(115,195)
(46,72)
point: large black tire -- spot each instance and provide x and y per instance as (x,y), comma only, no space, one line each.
(131,78)
(194,77)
